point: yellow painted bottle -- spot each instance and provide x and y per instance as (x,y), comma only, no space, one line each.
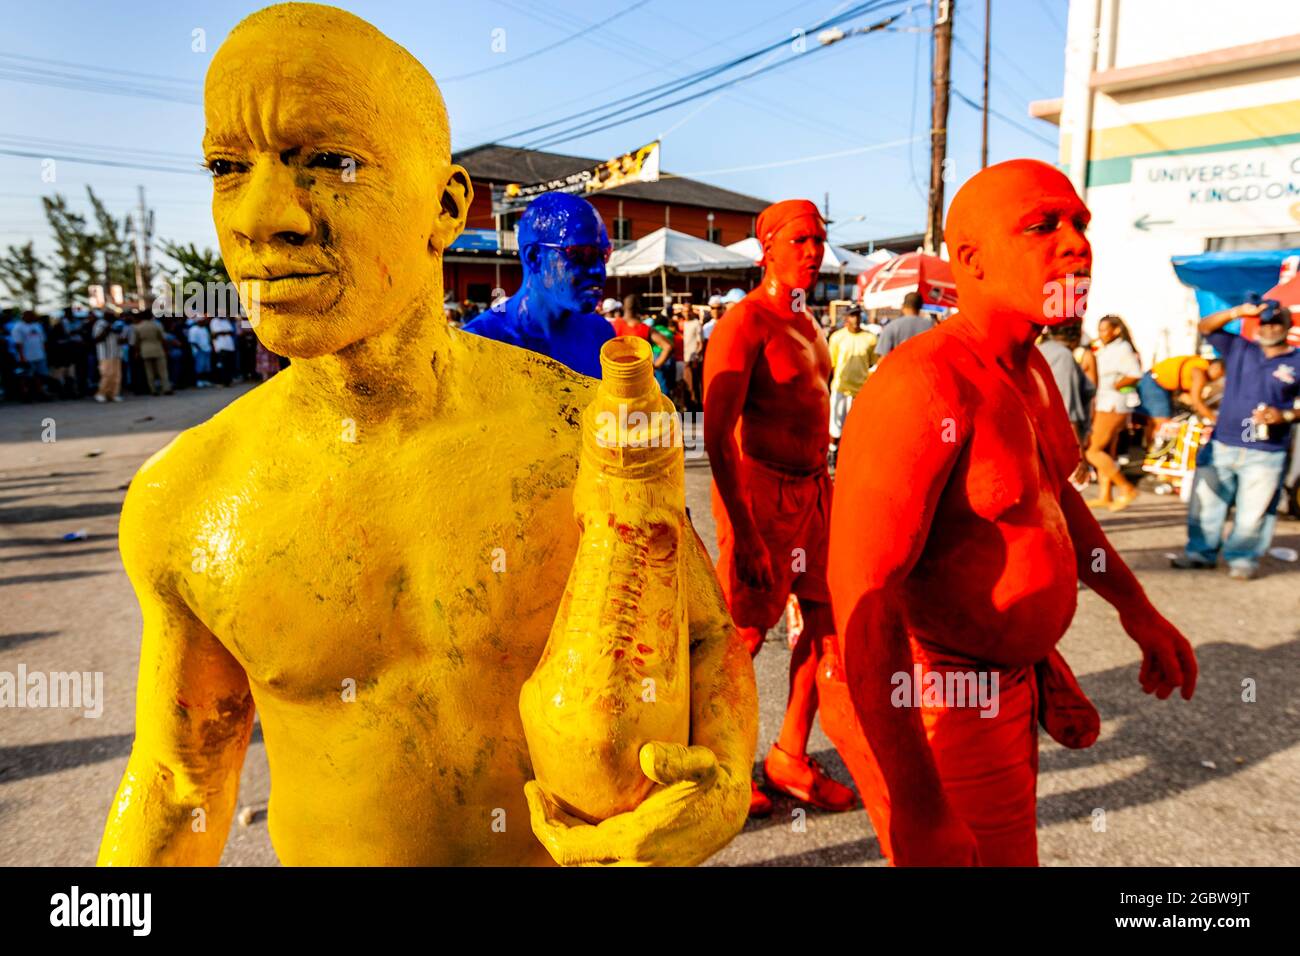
(615,673)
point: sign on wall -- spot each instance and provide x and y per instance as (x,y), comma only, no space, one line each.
(638,166)
(1235,191)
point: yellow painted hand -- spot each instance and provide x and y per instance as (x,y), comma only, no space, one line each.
(682,822)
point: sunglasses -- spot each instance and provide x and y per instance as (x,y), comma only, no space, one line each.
(583,256)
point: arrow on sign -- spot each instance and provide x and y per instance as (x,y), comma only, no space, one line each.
(1145,222)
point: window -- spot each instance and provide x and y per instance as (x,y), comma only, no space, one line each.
(715,234)
(622,230)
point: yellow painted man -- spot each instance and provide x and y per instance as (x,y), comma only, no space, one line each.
(369,549)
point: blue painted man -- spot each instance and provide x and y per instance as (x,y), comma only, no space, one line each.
(563,247)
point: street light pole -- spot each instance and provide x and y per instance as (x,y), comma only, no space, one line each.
(984,129)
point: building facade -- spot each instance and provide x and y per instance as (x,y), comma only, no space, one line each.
(486,257)
(1180,127)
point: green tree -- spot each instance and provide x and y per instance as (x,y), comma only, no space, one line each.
(20,271)
(194,265)
(113,247)
(73,262)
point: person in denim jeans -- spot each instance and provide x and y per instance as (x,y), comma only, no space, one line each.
(1242,466)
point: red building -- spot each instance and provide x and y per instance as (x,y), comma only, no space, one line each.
(486,257)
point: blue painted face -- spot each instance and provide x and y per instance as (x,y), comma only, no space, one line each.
(564,244)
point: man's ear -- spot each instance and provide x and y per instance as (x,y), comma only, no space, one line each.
(968,255)
(457,194)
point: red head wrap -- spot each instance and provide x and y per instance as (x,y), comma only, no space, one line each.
(771,219)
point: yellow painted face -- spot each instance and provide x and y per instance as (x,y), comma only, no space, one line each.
(329,185)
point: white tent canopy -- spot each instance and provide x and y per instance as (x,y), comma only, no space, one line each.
(668,249)
(834,260)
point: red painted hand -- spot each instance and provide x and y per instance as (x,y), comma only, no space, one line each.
(753,566)
(1168,660)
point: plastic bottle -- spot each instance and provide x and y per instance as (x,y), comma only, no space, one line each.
(615,673)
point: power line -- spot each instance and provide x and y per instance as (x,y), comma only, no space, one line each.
(586,128)
(670,87)
(182,81)
(911,129)
(661,61)
(197,170)
(36,142)
(70,81)
(793,162)
(546,49)
(655,61)
(1002,116)
(1045,6)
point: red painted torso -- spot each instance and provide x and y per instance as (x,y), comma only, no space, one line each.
(789,388)
(996,579)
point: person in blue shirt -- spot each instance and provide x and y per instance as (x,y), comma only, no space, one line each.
(563,248)
(1243,464)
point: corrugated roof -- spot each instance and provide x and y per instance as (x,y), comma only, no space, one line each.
(508,164)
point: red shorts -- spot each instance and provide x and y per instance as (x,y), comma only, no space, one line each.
(988,764)
(792,513)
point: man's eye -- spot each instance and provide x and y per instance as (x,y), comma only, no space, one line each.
(222,167)
(1047,225)
(332,161)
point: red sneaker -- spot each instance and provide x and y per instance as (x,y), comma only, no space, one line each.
(760,804)
(804,779)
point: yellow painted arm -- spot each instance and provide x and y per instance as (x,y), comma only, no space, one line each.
(194,713)
(703,797)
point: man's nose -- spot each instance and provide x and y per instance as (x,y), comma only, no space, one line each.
(271,205)
(1075,243)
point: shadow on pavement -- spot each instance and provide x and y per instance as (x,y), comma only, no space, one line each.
(13,640)
(55,554)
(48,578)
(45,542)
(1175,735)
(54,513)
(36,760)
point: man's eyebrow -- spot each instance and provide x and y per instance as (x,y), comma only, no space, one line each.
(1061,208)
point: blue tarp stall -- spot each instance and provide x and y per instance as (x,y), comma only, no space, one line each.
(1225,279)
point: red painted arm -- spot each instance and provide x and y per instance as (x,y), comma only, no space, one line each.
(728,363)
(883,507)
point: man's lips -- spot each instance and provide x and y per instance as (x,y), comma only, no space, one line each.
(283,287)
(278,276)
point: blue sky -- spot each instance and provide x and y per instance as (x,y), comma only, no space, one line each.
(868,91)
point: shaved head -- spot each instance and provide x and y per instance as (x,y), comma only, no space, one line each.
(334,194)
(1016,240)
(349,46)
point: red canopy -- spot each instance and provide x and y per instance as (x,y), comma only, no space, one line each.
(885,286)
(1288,293)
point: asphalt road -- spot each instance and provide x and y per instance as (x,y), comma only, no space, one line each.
(1211,781)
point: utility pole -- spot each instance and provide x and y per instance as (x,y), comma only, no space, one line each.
(143,240)
(984,129)
(942,34)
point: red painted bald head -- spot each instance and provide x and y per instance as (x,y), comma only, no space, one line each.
(1016,239)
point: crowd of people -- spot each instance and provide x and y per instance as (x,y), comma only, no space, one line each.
(1125,413)
(82,354)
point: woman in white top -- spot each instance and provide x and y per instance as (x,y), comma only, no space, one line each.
(1118,367)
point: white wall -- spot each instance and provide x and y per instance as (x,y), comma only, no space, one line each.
(1153,30)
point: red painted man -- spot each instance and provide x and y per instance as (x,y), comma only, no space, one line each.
(767,368)
(956,541)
